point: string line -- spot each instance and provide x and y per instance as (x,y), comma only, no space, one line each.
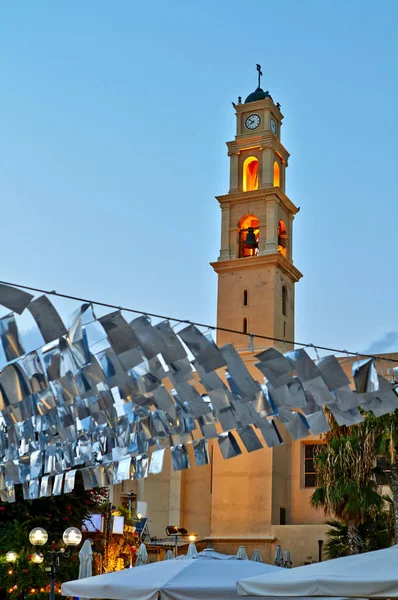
(197,324)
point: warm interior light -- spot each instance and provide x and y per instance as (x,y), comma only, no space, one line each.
(38,536)
(250,174)
(282,238)
(37,558)
(277,174)
(249,222)
(72,536)
(11,556)
(10,572)
(192,538)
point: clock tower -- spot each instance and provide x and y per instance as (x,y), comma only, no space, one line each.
(256,275)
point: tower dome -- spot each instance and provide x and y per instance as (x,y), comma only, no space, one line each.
(258,94)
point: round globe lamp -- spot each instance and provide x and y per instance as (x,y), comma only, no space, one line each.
(11,556)
(72,536)
(38,536)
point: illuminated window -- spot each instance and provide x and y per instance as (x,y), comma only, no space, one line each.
(245,298)
(277,174)
(282,238)
(250,174)
(309,465)
(248,236)
(284,301)
(244,325)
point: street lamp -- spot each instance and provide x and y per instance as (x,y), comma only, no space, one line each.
(177,532)
(11,556)
(39,536)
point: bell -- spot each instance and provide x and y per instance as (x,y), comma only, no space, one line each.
(250,241)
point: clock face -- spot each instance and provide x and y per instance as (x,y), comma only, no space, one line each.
(252,121)
(273,126)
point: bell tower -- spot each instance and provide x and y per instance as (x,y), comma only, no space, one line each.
(256,275)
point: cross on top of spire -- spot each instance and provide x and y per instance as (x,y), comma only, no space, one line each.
(258,67)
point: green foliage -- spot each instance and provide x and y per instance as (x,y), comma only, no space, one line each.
(55,514)
(374,534)
(346,484)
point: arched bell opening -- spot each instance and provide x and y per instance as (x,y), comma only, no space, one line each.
(277,174)
(282,238)
(249,233)
(250,174)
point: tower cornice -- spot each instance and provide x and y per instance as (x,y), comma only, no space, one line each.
(257,105)
(265,194)
(263,141)
(275,259)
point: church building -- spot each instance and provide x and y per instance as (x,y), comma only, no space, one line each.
(259,499)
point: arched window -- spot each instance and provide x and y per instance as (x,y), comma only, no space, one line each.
(245,298)
(284,301)
(248,236)
(244,325)
(250,174)
(277,174)
(282,238)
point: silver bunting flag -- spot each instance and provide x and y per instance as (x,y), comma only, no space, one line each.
(10,339)
(14,299)
(228,445)
(48,320)
(201,452)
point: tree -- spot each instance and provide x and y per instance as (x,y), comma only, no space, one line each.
(387,447)
(375,534)
(346,482)
(55,514)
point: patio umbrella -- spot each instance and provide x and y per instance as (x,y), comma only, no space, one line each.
(242,553)
(86,560)
(169,555)
(287,560)
(200,578)
(142,556)
(192,551)
(278,560)
(257,556)
(369,575)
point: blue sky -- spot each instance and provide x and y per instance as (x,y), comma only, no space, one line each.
(113,122)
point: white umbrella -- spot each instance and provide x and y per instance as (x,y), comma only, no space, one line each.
(242,553)
(369,575)
(142,556)
(169,555)
(257,556)
(192,551)
(287,560)
(278,560)
(200,578)
(86,560)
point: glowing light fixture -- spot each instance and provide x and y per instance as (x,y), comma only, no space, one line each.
(192,538)
(38,536)
(37,558)
(72,536)
(11,556)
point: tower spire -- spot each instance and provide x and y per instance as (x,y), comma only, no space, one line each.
(258,67)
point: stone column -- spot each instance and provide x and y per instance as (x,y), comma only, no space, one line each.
(267,168)
(272,227)
(225,217)
(233,173)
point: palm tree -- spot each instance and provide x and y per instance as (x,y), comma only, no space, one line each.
(387,447)
(375,534)
(346,482)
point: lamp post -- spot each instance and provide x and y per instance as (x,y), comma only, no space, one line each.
(177,532)
(39,536)
(320,544)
